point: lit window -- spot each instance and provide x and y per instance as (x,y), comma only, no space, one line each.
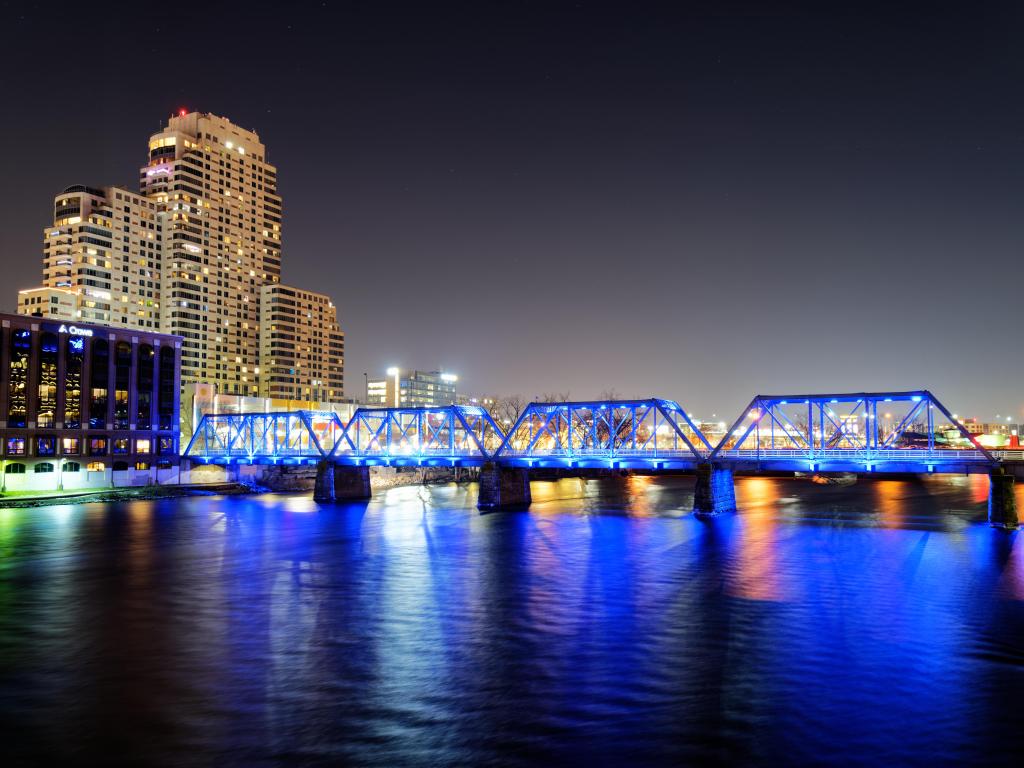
(15,446)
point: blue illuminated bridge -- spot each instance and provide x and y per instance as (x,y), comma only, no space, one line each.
(879,432)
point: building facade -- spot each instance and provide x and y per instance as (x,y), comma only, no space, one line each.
(199,399)
(187,255)
(222,243)
(86,406)
(101,260)
(402,388)
(302,348)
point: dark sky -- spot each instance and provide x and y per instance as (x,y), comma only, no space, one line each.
(697,201)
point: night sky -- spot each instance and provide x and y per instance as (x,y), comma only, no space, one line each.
(695,201)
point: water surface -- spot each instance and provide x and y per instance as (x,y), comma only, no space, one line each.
(881,623)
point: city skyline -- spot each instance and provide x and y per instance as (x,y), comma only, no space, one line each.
(779,201)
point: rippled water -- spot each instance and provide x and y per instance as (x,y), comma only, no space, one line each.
(876,624)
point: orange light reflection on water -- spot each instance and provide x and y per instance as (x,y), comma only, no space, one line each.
(755,572)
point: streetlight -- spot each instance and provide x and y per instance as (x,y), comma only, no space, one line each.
(394,371)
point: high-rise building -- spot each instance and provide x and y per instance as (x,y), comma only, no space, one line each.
(412,389)
(189,255)
(302,348)
(222,243)
(103,251)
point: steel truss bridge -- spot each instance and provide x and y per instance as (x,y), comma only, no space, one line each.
(864,432)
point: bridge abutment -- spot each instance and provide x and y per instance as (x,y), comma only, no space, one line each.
(504,487)
(335,482)
(715,491)
(1002,503)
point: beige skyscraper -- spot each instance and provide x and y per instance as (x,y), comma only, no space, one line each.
(101,260)
(222,242)
(302,348)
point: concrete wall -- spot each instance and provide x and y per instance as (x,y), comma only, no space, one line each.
(31,480)
(303,477)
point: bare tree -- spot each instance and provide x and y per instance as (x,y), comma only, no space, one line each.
(554,397)
(505,410)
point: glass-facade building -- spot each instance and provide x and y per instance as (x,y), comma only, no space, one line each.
(86,406)
(412,389)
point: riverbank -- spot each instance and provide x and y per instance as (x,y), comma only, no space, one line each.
(49,498)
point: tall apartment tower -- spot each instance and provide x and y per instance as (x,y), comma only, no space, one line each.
(101,260)
(302,348)
(222,243)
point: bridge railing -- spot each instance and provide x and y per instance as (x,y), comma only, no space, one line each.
(905,454)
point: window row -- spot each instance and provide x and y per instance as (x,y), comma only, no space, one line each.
(46,445)
(98,387)
(17,468)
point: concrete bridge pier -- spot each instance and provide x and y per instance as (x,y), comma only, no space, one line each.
(335,482)
(715,491)
(504,487)
(1002,504)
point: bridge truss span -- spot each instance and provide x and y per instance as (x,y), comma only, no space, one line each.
(461,435)
(264,438)
(652,433)
(868,431)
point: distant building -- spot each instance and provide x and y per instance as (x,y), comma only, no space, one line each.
(86,406)
(302,348)
(200,399)
(412,389)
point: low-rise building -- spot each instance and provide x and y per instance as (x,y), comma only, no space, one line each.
(412,389)
(199,399)
(86,406)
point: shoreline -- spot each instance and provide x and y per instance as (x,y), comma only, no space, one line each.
(132,493)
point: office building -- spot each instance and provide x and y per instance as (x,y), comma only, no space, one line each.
(86,406)
(412,389)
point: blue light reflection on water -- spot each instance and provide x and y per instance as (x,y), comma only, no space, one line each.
(877,623)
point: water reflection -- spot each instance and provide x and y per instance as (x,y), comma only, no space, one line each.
(881,622)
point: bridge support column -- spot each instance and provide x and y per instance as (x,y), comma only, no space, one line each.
(714,492)
(323,489)
(1002,504)
(335,482)
(504,488)
(351,483)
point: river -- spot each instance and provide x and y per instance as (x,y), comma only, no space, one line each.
(880,623)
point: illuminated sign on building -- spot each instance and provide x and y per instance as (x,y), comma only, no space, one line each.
(74,330)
